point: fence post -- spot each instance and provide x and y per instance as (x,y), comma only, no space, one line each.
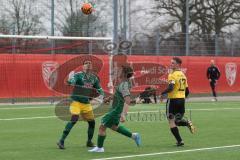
(52,25)
(157,43)
(232,46)
(216,45)
(187,28)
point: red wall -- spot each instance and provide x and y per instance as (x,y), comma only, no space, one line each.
(21,75)
(196,69)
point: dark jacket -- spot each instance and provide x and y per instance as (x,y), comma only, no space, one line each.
(213,73)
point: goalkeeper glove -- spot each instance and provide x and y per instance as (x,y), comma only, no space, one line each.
(71,75)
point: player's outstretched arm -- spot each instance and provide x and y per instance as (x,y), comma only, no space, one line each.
(169,89)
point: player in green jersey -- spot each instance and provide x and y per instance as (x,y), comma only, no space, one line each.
(118,111)
(82,82)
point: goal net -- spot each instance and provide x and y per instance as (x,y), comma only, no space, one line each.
(28,65)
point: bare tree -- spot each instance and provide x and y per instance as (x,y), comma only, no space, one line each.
(5,27)
(175,11)
(23,15)
(223,13)
(214,18)
(69,20)
(76,23)
(208,19)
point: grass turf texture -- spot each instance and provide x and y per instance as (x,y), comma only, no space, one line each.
(36,139)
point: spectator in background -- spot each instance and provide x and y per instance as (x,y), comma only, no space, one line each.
(147,94)
(213,74)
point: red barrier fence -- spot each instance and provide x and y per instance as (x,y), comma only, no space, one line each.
(27,75)
(196,71)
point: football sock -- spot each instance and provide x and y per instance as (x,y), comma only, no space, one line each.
(67,130)
(214,93)
(124,131)
(176,134)
(181,122)
(100,141)
(91,126)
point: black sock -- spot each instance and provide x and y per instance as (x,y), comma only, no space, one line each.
(67,130)
(181,122)
(91,126)
(176,134)
(214,94)
(68,127)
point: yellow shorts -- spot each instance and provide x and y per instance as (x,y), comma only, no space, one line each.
(86,111)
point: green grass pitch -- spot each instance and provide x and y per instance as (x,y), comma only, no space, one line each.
(35,138)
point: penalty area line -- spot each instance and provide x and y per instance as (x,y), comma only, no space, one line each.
(172,152)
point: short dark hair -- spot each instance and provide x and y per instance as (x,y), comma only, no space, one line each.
(178,60)
(86,60)
(127,70)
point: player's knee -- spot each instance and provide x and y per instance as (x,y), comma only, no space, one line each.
(74,119)
(114,128)
(172,123)
(91,124)
(170,116)
(102,130)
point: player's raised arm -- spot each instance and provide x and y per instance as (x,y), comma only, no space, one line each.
(72,78)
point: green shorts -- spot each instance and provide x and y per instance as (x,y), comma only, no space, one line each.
(110,120)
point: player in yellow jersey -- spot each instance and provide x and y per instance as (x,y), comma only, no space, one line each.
(176,92)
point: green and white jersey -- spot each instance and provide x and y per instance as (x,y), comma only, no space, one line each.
(86,80)
(123,90)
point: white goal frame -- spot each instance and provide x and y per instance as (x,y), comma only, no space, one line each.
(110,84)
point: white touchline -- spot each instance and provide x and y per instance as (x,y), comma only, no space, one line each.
(213,109)
(19,108)
(151,111)
(172,152)
(196,109)
(202,109)
(23,118)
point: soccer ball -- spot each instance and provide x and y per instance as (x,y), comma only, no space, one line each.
(87,8)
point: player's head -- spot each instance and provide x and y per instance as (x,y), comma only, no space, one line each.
(87,65)
(212,62)
(127,71)
(176,62)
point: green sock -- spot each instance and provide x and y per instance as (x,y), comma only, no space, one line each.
(67,130)
(124,131)
(100,141)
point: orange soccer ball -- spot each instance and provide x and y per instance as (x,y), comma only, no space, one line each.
(87,8)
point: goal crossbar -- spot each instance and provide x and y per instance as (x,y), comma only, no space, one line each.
(55,37)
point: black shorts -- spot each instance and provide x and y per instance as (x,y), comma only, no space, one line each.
(175,108)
